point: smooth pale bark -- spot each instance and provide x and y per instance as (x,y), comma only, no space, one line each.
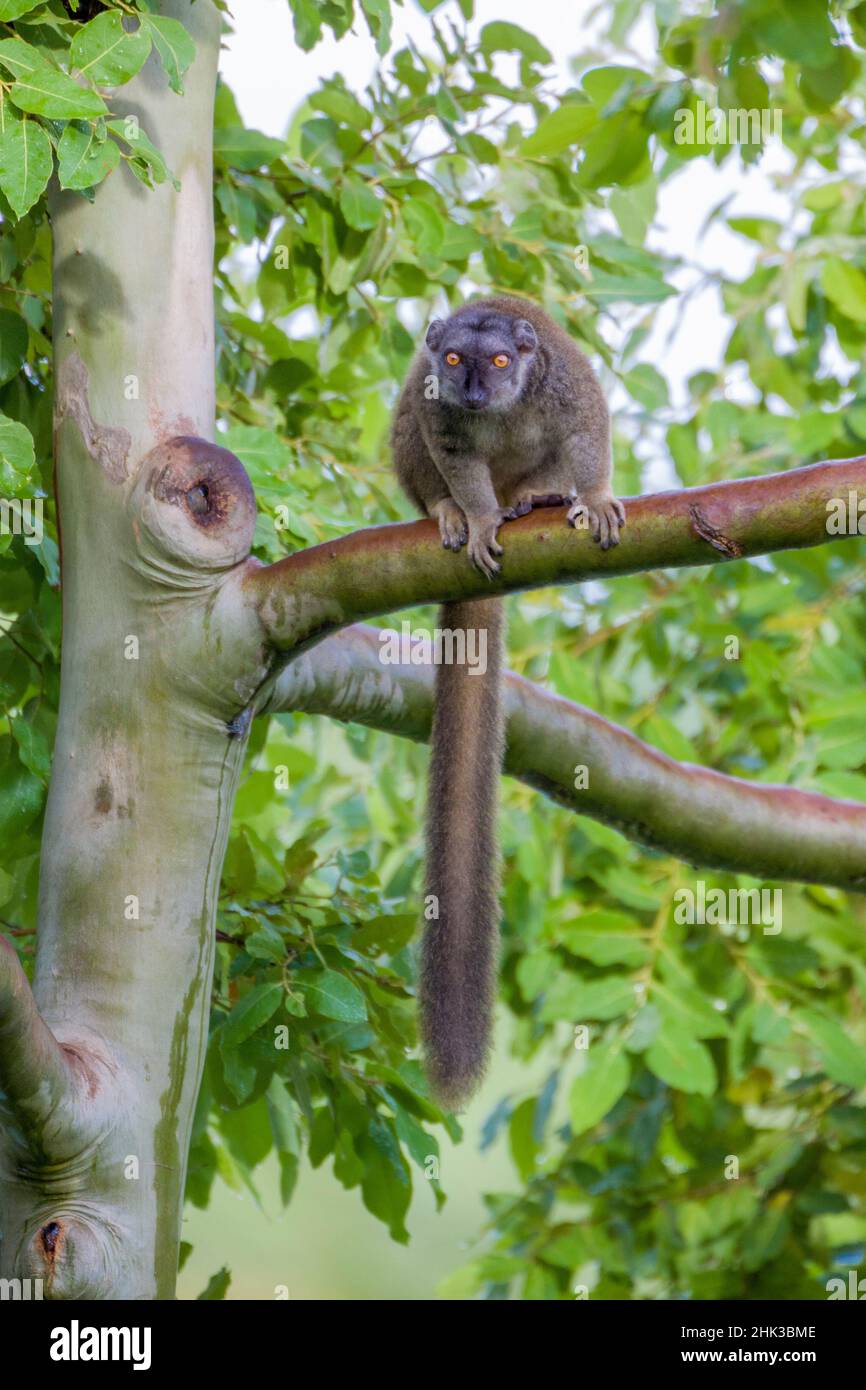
(144,763)
(701,816)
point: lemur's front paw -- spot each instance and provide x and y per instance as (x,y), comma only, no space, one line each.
(452,524)
(483,545)
(604,515)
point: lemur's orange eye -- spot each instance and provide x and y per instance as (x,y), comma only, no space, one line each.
(501,359)
(452,358)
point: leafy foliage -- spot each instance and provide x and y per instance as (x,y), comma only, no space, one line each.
(53,68)
(707,1042)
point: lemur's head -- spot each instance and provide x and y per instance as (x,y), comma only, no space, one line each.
(481,357)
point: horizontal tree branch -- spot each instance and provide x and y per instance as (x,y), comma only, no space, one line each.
(703,817)
(385,568)
(35,1073)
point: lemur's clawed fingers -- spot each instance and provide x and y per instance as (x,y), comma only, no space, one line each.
(609,522)
(452,524)
(483,545)
(482,555)
(604,516)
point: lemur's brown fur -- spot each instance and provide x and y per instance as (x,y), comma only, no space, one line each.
(500,412)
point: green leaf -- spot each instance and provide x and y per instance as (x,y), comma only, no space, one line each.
(647,385)
(173,44)
(247,149)
(217,1286)
(385,933)
(634,209)
(283,1117)
(521,1138)
(14,9)
(535,971)
(359,204)
(465,1283)
(606,938)
(600,1085)
(615,151)
(845,286)
(800,30)
(107,53)
(21,794)
(266,943)
(501,37)
(248,1134)
(83,160)
(14,338)
(21,58)
(424,226)
(289,1169)
(16,451)
(459,242)
(559,130)
(680,1060)
(307,23)
(145,160)
(626,289)
(342,106)
(33,748)
(386,1185)
(378,16)
(46,92)
(682,1004)
(25,158)
(577,1000)
(263,453)
(250,1013)
(355,864)
(603,83)
(843,1058)
(334,996)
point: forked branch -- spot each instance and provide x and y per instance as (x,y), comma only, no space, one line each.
(34,1070)
(703,817)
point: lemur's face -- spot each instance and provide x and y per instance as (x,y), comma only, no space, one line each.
(481,358)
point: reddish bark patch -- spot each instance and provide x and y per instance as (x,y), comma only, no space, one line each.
(50,1241)
(104,799)
(83,1066)
(105,443)
(208,481)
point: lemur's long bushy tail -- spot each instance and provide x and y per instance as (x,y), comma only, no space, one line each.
(459,952)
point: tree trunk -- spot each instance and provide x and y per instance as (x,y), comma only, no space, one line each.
(146,760)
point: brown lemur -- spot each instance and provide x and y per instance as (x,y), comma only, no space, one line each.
(500,412)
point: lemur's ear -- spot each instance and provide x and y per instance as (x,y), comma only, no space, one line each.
(434,334)
(525,336)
